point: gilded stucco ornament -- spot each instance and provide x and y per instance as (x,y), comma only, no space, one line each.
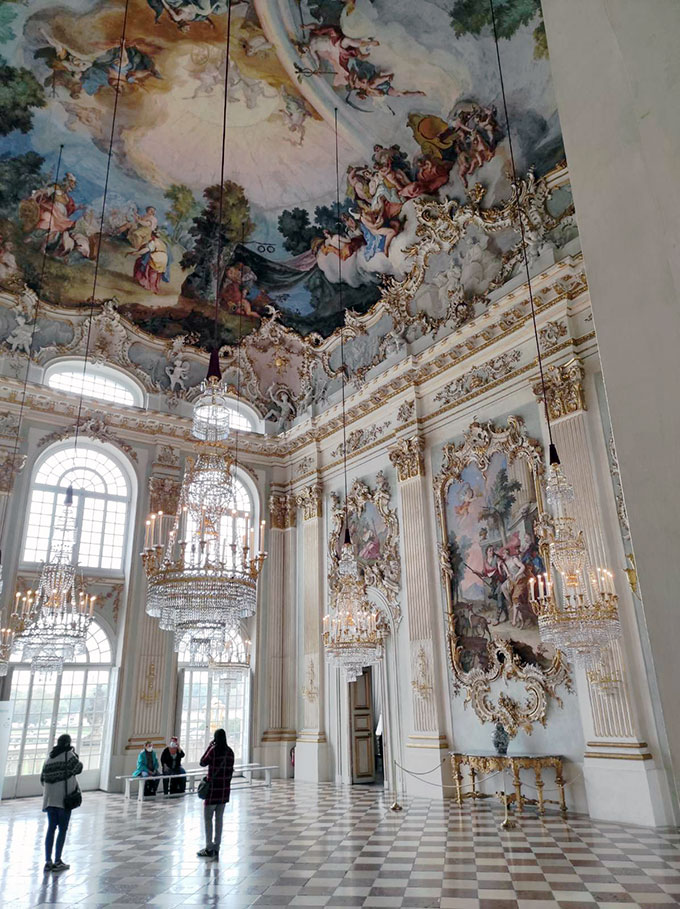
(164,494)
(92,428)
(282,510)
(360,438)
(526,701)
(310,500)
(384,571)
(482,376)
(563,389)
(10,466)
(536,686)
(407,457)
(442,225)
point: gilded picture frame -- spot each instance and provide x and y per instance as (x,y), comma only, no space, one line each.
(488,500)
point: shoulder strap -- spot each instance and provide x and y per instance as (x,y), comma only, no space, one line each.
(66,771)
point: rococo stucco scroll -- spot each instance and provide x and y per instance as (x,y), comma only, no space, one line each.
(374,532)
(488,501)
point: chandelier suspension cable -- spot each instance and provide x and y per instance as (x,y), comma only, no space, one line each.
(238,352)
(31,345)
(220,209)
(93,298)
(553,457)
(342,310)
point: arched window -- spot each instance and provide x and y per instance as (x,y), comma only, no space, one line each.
(213,699)
(45,706)
(100,507)
(97,381)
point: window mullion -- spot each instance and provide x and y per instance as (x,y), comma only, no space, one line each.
(55,708)
(79,737)
(22,746)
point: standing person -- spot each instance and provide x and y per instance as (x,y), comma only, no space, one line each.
(58,778)
(171,762)
(219,759)
(147,765)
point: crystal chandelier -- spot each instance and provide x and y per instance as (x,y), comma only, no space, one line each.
(352,632)
(584,620)
(6,644)
(201,563)
(55,617)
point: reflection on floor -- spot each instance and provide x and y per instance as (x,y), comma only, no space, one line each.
(299,845)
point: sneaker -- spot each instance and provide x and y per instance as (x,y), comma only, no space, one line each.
(48,866)
(60,866)
(205,853)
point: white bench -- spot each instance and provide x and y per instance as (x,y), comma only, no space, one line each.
(197,774)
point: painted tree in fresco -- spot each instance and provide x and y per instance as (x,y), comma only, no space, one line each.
(471,16)
(19,176)
(300,234)
(183,207)
(499,501)
(208,233)
(458,553)
(20,92)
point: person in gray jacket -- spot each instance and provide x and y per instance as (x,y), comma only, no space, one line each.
(58,778)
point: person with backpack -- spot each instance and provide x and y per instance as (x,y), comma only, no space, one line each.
(62,794)
(215,790)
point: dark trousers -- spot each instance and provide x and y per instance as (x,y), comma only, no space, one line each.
(56,817)
(175,785)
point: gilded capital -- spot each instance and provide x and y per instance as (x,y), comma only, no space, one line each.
(164,494)
(310,500)
(407,457)
(282,510)
(563,389)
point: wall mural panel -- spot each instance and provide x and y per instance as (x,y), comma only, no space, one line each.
(418,106)
(374,534)
(489,500)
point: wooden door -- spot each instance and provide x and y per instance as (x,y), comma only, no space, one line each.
(361,729)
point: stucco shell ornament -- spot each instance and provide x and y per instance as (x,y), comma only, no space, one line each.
(504,681)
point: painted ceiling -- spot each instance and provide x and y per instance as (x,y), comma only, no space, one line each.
(418,101)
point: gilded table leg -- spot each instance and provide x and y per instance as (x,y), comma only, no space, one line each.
(539,789)
(473,779)
(458,777)
(559,779)
(518,788)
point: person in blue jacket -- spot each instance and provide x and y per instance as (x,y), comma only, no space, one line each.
(147,765)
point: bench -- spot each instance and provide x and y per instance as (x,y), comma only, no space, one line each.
(194,776)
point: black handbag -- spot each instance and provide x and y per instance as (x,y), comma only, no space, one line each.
(71,799)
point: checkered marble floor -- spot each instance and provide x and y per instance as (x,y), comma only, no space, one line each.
(302,845)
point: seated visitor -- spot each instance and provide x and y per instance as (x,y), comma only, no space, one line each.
(171,763)
(147,765)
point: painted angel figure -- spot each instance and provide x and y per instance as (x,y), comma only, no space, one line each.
(184,12)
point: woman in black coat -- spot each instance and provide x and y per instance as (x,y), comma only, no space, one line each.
(171,763)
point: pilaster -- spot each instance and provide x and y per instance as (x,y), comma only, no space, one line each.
(426,740)
(279,656)
(311,750)
(622,780)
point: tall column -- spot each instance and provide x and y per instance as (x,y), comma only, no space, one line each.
(426,740)
(615,74)
(311,750)
(623,780)
(279,656)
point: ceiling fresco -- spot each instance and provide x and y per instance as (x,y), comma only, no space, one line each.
(421,138)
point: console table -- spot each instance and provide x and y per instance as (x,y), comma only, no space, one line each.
(484,764)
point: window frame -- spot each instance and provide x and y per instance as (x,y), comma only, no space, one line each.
(83,668)
(79,501)
(104,371)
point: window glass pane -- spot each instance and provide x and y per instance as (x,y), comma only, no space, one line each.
(100,496)
(78,705)
(91,386)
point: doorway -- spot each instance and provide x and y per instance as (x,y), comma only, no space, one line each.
(365,739)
